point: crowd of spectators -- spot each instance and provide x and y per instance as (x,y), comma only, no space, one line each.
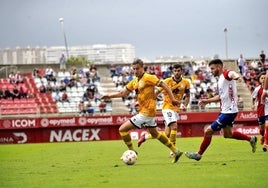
(13,87)
(61,83)
(251,70)
(203,84)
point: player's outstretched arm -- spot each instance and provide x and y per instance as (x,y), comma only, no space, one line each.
(124,92)
(204,102)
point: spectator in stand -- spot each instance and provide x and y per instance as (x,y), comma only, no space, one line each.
(247,77)
(54,86)
(84,80)
(7,93)
(62,86)
(87,72)
(64,97)
(36,73)
(253,74)
(97,97)
(164,69)
(49,73)
(87,95)
(102,106)
(82,108)
(31,94)
(92,88)
(89,81)
(23,92)
(42,88)
(1,93)
(255,66)
(129,77)
(49,87)
(94,74)
(195,79)
(80,73)
(11,77)
(18,78)
(74,78)
(62,63)
(187,75)
(15,92)
(90,108)
(203,67)
(202,93)
(74,75)
(241,63)
(262,57)
(210,93)
(200,76)
(57,96)
(118,69)
(112,71)
(207,77)
(66,81)
(42,73)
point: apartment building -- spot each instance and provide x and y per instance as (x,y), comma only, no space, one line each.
(99,53)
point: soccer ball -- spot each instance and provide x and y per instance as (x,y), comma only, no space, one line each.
(129,157)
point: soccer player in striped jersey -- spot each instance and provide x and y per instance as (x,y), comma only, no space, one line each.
(227,96)
(256,99)
(264,98)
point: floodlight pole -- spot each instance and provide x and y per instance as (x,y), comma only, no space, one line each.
(226,42)
(61,20)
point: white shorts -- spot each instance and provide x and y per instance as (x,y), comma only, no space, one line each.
(143,121)
(170,116)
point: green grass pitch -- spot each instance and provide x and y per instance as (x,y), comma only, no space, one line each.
(226,163)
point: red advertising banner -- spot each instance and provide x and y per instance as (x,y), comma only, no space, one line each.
(66,121)
(94,128)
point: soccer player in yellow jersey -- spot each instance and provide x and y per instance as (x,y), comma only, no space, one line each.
(144,86)
(180,88)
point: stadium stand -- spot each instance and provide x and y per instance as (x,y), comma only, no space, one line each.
(107,81)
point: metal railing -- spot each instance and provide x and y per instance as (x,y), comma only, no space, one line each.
(7,69)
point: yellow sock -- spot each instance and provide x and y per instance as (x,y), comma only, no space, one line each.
(149,136)
(127,139)
(173,136)
(164,140)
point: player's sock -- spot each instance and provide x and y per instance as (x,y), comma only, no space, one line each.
(148,136)
(173,135)
(266,135)
(240,136)
(204,145)
(164,140)
(127,139)
(262,132)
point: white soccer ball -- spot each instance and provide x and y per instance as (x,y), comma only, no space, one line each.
(129,157)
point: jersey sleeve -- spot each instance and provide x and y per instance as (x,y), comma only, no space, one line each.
(187,88)
(225,74)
